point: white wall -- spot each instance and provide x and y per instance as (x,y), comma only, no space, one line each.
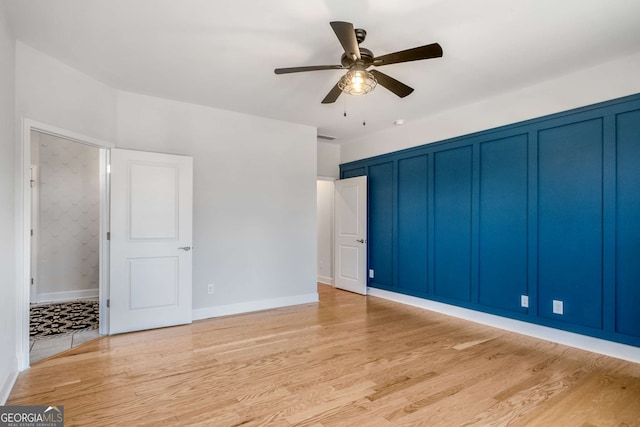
(68,218)
(328,159)
(325,231)
(600,83)
(54,93)
(254,189)
(254,198)
(8,299)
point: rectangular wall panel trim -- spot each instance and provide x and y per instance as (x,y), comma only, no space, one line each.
(503,234)
(381,228)
(452,206)
(627,240)
(570,222)
(412,223)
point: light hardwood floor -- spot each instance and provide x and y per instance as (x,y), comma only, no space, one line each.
(349,360)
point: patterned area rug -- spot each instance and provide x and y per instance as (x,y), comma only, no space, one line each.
(62,318)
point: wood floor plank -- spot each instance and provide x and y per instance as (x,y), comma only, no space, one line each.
(347,360)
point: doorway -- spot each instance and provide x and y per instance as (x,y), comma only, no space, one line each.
(152,209)
(325,189)
(65,244)
(37,130)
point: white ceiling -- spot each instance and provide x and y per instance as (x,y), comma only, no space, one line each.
(222,53)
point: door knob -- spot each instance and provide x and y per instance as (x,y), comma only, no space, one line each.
(186,248)
(361,240)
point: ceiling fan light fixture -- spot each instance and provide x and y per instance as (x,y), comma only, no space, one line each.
(357,81)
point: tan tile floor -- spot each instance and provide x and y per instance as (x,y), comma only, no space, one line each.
(46,347)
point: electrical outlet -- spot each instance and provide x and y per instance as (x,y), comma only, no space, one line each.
(524,301)
(210,288)
(321,265)
(371,273)
(558,307)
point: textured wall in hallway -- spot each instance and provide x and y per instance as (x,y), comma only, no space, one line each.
(69,198)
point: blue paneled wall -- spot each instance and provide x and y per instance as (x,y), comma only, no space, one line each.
(548,209)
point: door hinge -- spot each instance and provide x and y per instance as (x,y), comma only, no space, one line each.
(32,232)
(108,303)
(32,280)
(108,235)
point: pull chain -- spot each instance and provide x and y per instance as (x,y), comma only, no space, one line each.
(364,115)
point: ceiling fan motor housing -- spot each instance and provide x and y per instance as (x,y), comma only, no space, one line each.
(366,59)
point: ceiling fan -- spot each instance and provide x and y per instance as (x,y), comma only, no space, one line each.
(359,80)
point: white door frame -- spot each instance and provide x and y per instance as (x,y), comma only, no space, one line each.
(35,230)
(332,231)
(23,228)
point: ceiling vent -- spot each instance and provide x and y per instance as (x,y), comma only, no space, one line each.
(327,137)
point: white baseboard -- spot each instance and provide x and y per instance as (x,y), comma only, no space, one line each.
(595,345)
(66,295)
(246,307)
(325,280)
(7,386)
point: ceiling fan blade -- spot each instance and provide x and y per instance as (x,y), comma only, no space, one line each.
(333,95)
(392,84)
(347,36)
(310,68)
(433,50)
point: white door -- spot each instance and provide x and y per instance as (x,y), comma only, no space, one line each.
(151,233)
(351,234)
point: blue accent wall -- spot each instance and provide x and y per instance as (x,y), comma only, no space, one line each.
(548,208)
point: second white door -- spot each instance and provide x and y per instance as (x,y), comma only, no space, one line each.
(151,235)
(351,234)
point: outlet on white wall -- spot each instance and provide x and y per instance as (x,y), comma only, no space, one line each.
(210,288)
